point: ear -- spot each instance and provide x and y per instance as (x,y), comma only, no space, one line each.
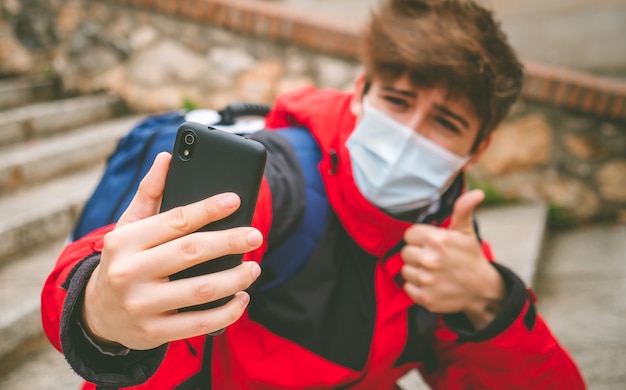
(479,151)
(356,104)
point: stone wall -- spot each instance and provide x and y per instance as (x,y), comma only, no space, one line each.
(156,62)
(564,142)
(574,162)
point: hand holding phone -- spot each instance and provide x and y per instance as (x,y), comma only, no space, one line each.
(129,300)
(205,162)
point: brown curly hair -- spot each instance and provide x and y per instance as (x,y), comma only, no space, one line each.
(456,45)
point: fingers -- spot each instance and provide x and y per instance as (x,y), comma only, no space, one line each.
(157,330)
(422,285)
(176,222)
(193,323)
(419,274)
(420,277)
(147,200)
(187,251)
(426,236)
(145,316)
(417,294)
(464,208)
(420,271)
(176,294)
(163,260)
(420,266)
(184,220)
(423,257)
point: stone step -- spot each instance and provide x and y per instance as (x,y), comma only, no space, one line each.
(516,234)
(24,90)
(33,230)
(38,160)
(38,120)
(581,288)
(36,215)
(43,368)
(20,288)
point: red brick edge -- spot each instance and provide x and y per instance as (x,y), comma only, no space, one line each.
(600,96)
(265,20)
(560,87)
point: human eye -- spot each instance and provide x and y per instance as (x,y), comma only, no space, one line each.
(396,102)
(448,125)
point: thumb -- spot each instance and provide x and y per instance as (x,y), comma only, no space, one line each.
(147,200)
(462,218)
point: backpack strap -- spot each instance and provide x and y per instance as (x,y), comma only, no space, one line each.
(293,253)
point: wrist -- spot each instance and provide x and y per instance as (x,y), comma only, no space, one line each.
(87,326)
(104,347)
(489,300)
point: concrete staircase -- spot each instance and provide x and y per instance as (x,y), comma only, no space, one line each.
(52,152)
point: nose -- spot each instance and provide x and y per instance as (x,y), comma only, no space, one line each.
(418,122)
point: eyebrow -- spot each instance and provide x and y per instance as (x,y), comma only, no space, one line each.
(403,92)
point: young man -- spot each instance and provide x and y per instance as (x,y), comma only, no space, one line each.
(398,279)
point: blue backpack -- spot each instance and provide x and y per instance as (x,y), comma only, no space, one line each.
(125,168)
(136,151)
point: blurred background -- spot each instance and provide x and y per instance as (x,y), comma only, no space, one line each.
(582,34)
(76,75)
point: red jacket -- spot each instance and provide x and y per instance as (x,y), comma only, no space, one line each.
(344,320)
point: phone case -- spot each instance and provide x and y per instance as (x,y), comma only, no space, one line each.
(212,162)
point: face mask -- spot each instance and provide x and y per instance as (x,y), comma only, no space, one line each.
(396,168)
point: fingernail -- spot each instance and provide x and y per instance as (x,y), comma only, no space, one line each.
(254,237)
(256,270)
(228,201)
(243,298)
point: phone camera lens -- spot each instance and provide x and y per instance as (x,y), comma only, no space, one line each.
(189,139)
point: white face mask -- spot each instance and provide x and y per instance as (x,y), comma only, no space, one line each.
(396,168)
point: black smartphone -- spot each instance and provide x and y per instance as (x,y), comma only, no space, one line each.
(205,162)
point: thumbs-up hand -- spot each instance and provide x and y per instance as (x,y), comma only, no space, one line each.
(445,269)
